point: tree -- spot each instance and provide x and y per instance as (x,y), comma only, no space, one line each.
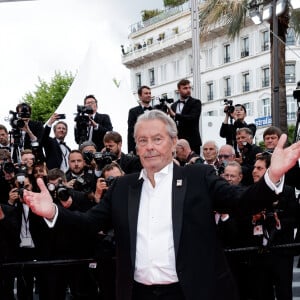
(233,14)
(173,3)
(148,14)
(47,96)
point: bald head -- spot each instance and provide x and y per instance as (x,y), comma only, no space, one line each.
(226,153)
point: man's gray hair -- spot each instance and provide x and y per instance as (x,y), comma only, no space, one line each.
(156,114)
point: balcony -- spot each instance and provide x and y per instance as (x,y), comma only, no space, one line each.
(227,92)
(265,46)
(265,82)
(244,53)
(172,43)
(226,59)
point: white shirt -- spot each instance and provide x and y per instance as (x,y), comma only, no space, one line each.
(155,254)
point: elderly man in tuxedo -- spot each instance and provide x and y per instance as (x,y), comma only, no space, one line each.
(166,242)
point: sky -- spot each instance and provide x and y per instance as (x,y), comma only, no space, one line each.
(38,38)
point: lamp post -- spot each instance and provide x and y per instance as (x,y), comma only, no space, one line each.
(275,73)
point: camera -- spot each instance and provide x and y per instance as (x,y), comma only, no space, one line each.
(84,183)
(229,109)
(59,191)
(221,168)
(82,120)
(15,121)
(163,103)
(101,158)
(110,180)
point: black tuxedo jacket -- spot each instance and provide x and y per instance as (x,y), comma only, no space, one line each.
(188,122)
(105,125)
(200,263)
(133,114)
(54,155)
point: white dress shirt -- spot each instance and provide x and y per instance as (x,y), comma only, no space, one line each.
(155,255)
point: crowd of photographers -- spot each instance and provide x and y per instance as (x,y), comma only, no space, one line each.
(78,179)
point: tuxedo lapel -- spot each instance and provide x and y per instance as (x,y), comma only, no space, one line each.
(178,195)
(134,195)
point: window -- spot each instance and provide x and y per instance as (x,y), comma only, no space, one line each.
(266,107)
(151,77)
(246,83)
(138,80)
(150,41)
(292,109)
(265,77)
(245,47)
(161,36)
(208,57)
(265,41)
(249,108)
(163,72)
(212,113)
(227,90)
(175,30)
(176,68)
(290,37)
(290,73)
(210,91)
(226,53)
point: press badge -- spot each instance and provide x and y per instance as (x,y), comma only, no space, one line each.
(258,230)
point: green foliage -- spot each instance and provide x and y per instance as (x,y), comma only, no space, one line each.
(47,96)
(291,132)
(173,3)
(261,144)
(148,14)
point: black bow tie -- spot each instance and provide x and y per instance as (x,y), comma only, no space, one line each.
(147,108)
(62,143)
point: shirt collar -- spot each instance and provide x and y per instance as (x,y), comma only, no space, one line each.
(164,171)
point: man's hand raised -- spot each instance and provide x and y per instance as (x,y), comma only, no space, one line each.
(283,159)
(40,203)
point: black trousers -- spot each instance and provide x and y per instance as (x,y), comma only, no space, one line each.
(157,292)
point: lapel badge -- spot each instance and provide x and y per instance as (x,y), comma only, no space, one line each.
(179,182)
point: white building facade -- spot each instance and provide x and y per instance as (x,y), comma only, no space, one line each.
(160,54)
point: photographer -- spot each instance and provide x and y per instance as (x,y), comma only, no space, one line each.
(236,114)
(273,227)
(56,150)
(78,278)
(4,138)
(80,176)
(186,113)
(247,152)
(95,125)
(31,131)
(129,163)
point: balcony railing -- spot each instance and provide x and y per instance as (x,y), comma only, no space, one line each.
(226,59)
(227,92)
(265,82)
(245,53)
(246,87)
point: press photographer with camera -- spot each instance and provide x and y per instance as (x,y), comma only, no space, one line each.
(76,277)
(144,94)
(129,163)
(186,113)
(55,148)
(273,226)
(91,125)
(31,131)
(234,119)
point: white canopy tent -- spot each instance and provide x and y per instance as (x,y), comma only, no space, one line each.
(108,83)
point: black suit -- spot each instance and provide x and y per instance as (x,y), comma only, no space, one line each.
(188,122)
(54,155)
(200,264)
(133,114)
(104,125)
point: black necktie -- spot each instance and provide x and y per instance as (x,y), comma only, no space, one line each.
(147,108)
(62,143)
